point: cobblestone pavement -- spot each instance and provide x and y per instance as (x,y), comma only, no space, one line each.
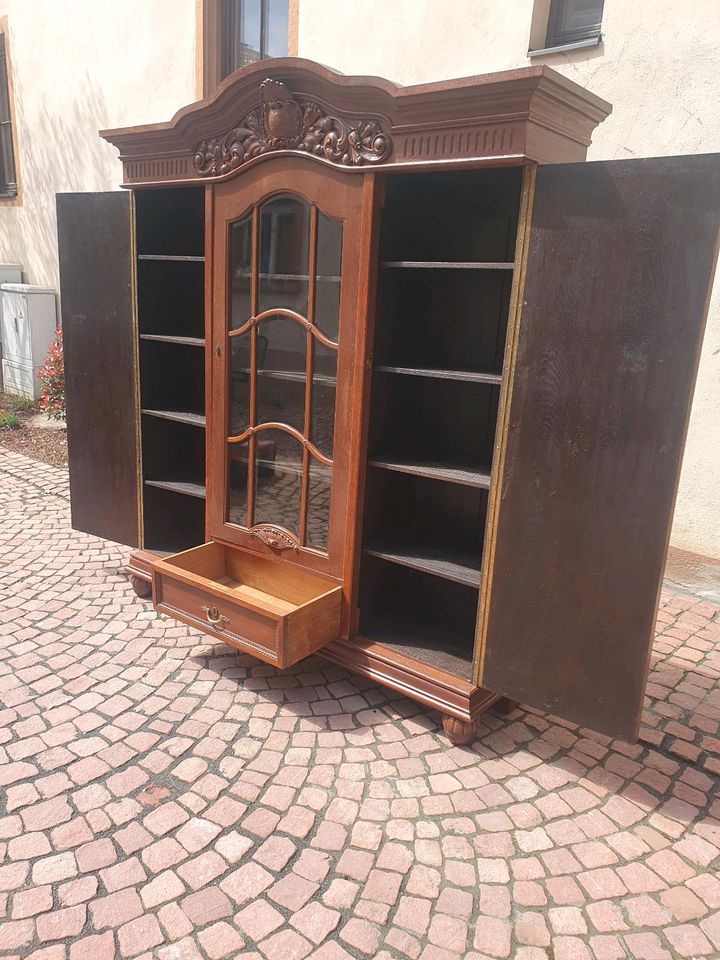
(162,796)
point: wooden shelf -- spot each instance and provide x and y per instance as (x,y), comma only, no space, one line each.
(445,265)
(468,476)
(175,258)
(430,641)
(163,338)
(196,419)
(458,566)
(178,486)
(468,376)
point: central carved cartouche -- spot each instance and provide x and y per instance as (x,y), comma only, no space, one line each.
(283,123)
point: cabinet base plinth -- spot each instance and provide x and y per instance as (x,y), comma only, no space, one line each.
(139,573)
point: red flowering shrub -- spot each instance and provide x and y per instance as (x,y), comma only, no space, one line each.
(52,376)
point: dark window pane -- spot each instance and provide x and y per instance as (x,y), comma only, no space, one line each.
(327,295)
(240,267)
(318,518)
(239,384)
(322,420)
(248,40)
(7,159)
(280,384)
(237,483)
(572,20)
(276,29)
(284,248)
(581,14)
(278,479)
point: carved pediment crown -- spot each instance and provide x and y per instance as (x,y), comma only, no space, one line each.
(291,106)
(283,122)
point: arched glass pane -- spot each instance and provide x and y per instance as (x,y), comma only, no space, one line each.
(284,254)
(318,512)
(240,272)
(327,289)
(278,479)
(280,382)
(239,383)
(322,407)
(237,483)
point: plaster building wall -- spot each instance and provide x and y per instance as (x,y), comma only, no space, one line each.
(657,65)
(79,66)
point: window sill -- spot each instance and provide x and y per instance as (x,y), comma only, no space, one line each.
(563,47)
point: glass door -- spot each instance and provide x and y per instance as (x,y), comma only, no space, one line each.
(285,325)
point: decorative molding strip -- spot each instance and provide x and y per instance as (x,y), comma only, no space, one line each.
(282,123)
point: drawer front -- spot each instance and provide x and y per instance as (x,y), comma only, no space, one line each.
(251,631)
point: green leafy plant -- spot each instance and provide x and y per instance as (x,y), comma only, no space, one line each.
(9,421)
(52,376)
(20,404)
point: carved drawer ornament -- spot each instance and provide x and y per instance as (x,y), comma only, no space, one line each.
(277,538)
(283,123)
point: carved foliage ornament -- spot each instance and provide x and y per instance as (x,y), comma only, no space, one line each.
(275,537)
(283,123)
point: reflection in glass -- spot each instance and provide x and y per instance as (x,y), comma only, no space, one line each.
(239,383)
(240,267)
(327,290)
(251,30)
(276,29)
(278,479)
(284,254)
(280,382)
(322,409)
(318,512)
(237,483)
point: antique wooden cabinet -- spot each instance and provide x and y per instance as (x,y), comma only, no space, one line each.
(393,375)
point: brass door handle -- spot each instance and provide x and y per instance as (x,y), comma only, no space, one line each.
(213,617)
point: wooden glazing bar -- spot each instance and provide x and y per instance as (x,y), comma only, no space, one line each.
(312,269)
(254,321)
(253,363)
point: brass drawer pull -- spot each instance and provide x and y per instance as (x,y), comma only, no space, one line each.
(213,617)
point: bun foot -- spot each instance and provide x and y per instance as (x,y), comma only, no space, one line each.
(142,587)
(457,731)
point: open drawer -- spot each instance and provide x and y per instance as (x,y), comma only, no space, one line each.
(270,609)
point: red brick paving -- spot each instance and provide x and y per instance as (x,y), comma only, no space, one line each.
(161,796)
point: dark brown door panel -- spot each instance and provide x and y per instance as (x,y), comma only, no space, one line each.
(98,319)
(621,258)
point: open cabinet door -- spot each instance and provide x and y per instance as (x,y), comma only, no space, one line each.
(95,239)
(620,259)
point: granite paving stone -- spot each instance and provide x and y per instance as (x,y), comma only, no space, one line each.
(164,796)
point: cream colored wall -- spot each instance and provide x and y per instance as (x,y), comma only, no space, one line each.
(658,66)
(79,66)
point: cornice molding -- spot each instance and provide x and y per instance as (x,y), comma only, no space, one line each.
(293,106)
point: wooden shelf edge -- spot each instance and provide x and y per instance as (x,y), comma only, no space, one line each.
(184,488)
(446,265)
(466,477)
(167,338)
(179,416)
(426,566)
(169,257)
(441,691)
(437,373)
